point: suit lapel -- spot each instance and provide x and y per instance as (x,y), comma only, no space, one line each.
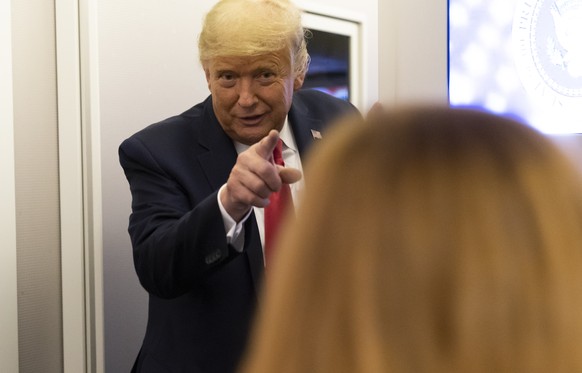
(219,155)
(302,125)
(217,162)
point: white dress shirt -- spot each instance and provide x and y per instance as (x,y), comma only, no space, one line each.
(235,231)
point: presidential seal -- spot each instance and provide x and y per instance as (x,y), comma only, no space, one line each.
(547,43)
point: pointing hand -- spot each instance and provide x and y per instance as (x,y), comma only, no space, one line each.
(254,177)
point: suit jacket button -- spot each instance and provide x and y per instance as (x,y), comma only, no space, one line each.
(213,257)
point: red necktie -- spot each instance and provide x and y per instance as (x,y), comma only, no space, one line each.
(276,210)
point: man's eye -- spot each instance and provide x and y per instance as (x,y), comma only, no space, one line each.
(267,76)
(227,80)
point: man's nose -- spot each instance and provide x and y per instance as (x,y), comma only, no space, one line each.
(246,95)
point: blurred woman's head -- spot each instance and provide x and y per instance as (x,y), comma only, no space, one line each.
(429,240)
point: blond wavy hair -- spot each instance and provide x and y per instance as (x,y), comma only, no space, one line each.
(252,28)
(428,240)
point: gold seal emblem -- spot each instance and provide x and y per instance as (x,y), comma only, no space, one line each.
(547,44)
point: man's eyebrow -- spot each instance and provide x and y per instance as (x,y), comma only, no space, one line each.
(267,67)
(260,70)
(223,71)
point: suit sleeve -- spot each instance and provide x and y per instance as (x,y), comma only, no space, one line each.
(176,241)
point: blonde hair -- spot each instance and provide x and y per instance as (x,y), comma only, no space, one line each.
(428,240)
(254,27)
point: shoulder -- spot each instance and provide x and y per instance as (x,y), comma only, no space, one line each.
(172,130)
(314,98)
(318,104)
(318,109)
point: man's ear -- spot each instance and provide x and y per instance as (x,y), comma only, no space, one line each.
(298,82)
(207,74)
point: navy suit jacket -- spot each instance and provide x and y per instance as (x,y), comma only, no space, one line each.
(202,293)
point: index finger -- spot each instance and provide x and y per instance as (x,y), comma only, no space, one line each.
(265,147)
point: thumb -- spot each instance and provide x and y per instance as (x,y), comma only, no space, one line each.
(289,175)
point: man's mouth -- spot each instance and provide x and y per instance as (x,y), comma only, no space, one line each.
(251,119)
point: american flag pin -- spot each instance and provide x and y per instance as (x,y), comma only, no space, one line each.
(316,135)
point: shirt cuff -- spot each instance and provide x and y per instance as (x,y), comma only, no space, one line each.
(234,231)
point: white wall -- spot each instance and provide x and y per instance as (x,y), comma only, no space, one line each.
(33,193)
(149,70)
(34,314)
(413,51)
(8,291)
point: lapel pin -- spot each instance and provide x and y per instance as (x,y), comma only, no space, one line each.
(316,135)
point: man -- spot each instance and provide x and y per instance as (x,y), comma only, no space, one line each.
(200,180)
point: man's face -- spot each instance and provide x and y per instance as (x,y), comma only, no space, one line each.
(251,95)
